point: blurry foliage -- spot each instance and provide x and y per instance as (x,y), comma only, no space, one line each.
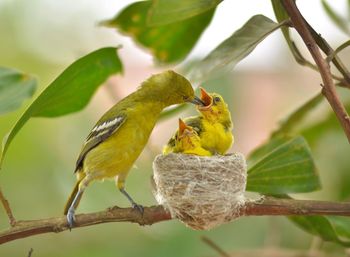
(170,11)
(235,48)
(168,43)
(15,87)
(170,29)
(341,22)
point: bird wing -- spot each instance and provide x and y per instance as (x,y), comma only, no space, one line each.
(195,123)
(98,134)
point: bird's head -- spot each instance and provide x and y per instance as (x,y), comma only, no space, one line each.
(187,137)
(214,109)
(172,88)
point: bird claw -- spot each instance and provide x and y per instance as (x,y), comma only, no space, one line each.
(70,219)
(138,207)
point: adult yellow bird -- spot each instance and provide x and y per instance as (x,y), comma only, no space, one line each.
(119,136)
(187,141)
(213,125)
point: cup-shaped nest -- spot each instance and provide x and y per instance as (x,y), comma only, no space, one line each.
(203,192)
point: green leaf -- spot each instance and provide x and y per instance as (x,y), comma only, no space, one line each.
(168,11)
(265,149)
(330,228)
(70,91)
(167,43)
(287,168)
(287,126)
(342,23)
(15,87)
(235,48)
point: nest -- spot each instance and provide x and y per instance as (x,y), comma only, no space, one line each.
(203,192)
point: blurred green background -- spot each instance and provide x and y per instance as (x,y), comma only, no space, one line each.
(42,37)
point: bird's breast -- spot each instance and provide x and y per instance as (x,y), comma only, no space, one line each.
(216,138)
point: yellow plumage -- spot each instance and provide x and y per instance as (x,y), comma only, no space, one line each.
(120,135)
(187,141)
(213,125)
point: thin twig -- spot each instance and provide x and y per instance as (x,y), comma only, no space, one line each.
(304,62)
(7,208)
(154,214)
(213,245)
(30,252)
(336,51)
(329,89)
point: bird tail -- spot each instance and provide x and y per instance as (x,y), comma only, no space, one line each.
(72,196)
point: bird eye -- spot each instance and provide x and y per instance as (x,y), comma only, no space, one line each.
(217,99)
(185,97)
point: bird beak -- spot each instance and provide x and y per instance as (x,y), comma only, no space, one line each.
(197,101)
(183,127)
(206,98)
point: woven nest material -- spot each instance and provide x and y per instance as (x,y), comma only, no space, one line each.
(203,192)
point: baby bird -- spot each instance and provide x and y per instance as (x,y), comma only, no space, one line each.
(187,141)
(213,125)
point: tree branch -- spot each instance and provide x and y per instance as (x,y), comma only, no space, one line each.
(329,89)
(154,214)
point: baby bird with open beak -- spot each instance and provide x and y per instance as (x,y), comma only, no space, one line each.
(213,125)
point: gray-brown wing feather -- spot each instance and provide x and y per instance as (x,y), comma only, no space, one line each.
(97,135)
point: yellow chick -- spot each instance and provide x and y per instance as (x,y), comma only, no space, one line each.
(187,141)
(213,125)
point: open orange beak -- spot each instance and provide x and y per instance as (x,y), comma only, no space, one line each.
(183,127)
(206,98)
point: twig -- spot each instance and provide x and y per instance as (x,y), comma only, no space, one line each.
(327,49)
(336,51)
(213,245)
(30,252)
(7,208)
(304,62)
(328,90)
(154,214)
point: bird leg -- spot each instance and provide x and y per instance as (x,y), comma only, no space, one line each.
(120,182)
(71,211)
(133,203)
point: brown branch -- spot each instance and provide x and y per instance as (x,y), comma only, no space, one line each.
(28,228)
(287,207)
(7,208)
(329,89)
(154,214)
